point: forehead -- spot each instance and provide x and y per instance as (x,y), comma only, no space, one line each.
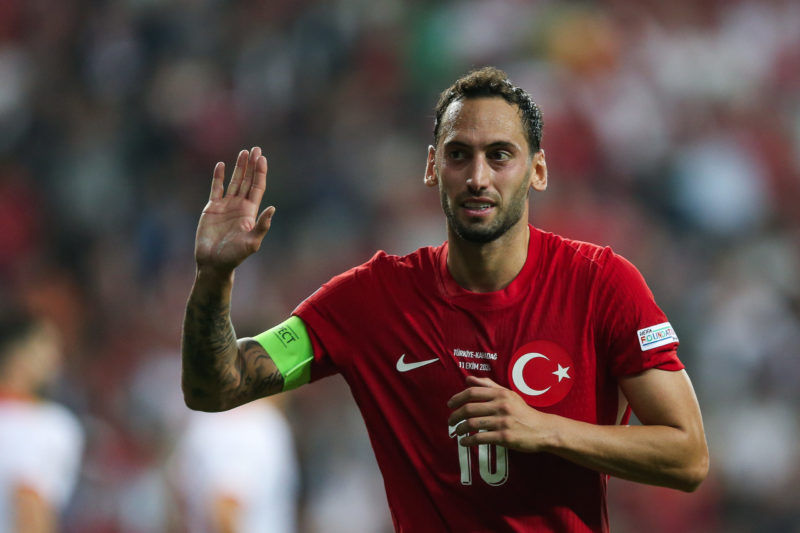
(481,121)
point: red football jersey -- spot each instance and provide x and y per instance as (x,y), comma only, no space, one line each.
(404,335)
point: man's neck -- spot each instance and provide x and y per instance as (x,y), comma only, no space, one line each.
(14,389)
(15,380)
(488,267)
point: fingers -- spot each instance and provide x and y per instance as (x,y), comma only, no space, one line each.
(264,222)
(259,180)
(488,413)
(481,423)
(238,173)
(217,182)
(471,410)
(475,402)
(482,390)
(483,437)
(491,429)
(247,177)
(475,405)
(483,382)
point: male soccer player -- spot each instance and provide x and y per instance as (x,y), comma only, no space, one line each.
(41,442)
(494,372)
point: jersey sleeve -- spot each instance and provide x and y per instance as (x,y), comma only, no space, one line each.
(264,454)
(49,463)
(634,332)
(334,315)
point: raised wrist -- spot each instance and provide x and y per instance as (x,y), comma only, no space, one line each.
(205,273)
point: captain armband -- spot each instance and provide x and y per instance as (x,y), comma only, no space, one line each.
(289,346)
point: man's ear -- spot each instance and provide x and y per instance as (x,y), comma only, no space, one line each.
(430,168)
(539,172)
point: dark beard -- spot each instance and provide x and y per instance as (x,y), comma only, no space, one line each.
(497,228)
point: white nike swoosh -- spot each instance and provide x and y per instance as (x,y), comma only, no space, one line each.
(402,366)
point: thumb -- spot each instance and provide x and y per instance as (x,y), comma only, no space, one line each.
(263,222)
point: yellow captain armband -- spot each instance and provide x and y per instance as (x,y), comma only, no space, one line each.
(289,346)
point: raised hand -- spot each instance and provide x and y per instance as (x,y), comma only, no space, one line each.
(230,228)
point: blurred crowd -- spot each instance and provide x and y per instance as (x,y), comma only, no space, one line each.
(672,133)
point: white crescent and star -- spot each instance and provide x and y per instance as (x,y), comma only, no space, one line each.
(519,379)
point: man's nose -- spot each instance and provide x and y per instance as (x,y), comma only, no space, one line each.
(479,172)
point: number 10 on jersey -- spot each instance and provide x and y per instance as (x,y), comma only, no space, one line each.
(492,461)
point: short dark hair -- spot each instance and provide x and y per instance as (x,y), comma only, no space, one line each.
(15,325)
(489,82)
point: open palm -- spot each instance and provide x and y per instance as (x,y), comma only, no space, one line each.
(230,228)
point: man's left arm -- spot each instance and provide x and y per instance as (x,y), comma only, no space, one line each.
(32,513)
(668,449)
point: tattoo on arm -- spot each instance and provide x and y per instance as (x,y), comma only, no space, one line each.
(218,374)
(208,347)
(261,375)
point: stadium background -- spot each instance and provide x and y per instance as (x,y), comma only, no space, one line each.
(672,131)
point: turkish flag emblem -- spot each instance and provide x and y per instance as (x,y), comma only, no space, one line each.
(542,373)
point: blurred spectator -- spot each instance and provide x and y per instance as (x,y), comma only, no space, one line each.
(40,441)
(236,472)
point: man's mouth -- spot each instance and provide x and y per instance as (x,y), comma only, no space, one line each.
(477,207)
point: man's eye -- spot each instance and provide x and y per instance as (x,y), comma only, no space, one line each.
(456,155)
(500,155)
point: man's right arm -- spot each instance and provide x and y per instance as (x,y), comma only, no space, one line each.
(219,372)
